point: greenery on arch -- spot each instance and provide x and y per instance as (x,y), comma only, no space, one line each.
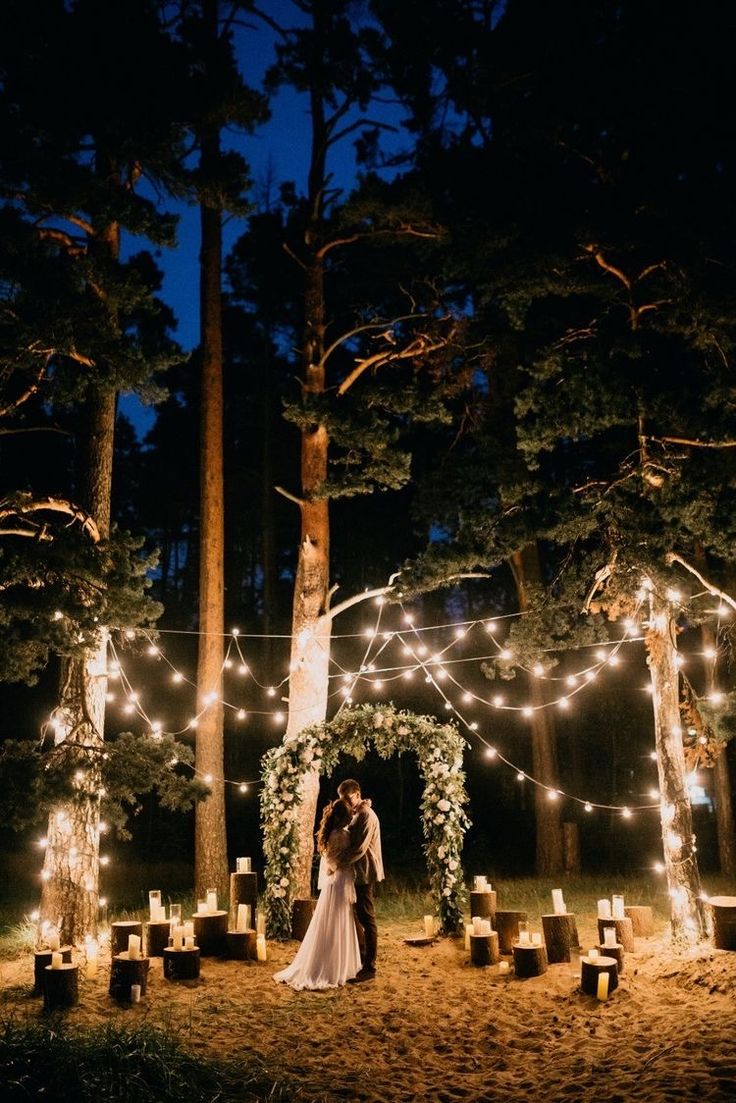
(439,749)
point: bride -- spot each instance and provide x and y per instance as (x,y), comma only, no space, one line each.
(329,955)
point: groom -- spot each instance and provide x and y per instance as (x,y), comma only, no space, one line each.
(365,857)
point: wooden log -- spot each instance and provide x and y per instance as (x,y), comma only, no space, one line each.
(157,937)
(530,961)
(616,952)
(243,890)
(41,959)
(241,945)
(119,932)
(484,949)
(507,926)
(571,849)
(60,986)
(483,904)
(724,922)
(642,919)
(210,933)
(181,964)
(591,970)
(301,916)
(624,932)
(560,936)
(125,971)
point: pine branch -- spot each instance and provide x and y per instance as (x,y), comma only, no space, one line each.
(21,510)
(715,591)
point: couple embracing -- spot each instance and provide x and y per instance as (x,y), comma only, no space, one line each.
(349,842)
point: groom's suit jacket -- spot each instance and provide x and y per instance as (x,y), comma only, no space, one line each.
(365,845)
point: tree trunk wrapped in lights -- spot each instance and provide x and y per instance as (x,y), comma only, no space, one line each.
(689,922)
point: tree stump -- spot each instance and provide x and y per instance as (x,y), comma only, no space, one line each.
(157,937)
(560,936)
(181,964)
(60,986)
(530,961)
(483,904)
(41,959)
(210,932)
(624,932)
(243,890)
(301,916)
(571,849)
(616,952)
(241,945)
(119,935)
(125,971)
(591,970)
(507,926)
(641,918)
(484,949)
(724,922)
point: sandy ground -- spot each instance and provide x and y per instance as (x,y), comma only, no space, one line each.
(433,1028)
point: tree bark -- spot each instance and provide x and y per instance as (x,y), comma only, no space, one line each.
(526,571)
(723,797)
(689,923)
(210,840)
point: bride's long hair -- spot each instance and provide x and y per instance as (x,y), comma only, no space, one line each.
(336,815)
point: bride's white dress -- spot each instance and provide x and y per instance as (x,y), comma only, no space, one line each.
(329,954)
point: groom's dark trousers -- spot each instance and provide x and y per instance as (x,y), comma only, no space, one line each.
(365,916)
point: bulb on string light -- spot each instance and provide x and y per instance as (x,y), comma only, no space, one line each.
(193,723)
(270,692)
(653,756)
(626,813)
(703,739)
(498,701)
(467,698)
(388,635)
(234,631)
(491,626)
(58,614)
(571,680)
(673,595)
(241,714)
(520,776)
(658,867)
(380,600)
(600,655)
(152,650)
(716,697)
(590,675)
(109,697)
(207,779)
(460,633)
(369,633)
(428,678)
(45,875)
(723,611)
(588,806)
(441,674)
(613,660)
(408,674)
(278,717)
(473,725)
(377,684)
(129,634)
(527,711)
(408,619)
(563,703)
(654,794)
(104,860)
(228,664)
(43,843)
(506,654)
(448,704)
(552,794)
(177,677)
(538,670)
(243,788)
(421,650)
(491,752)
(709,653)
(243,669)
(679,660)
(406,651)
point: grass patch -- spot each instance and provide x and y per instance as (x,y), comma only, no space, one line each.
(55,1063)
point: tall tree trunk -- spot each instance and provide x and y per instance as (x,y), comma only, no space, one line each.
(268,528)
(721,778)
(526,570)
(689,923)
(210,838)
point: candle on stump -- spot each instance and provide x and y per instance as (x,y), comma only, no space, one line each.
(603,986)
(201,907)
(134,947)
(243,923)
(609,936)
(211,900)
(558,902)
(429,926)
(56,959)
(536,939)
(261,952)
(524,939)
(469,929)
(53,940)
(175,915)
(486,925)
(243,865)
(604,909)
(189,929)
(92,952)
(503,967)
(177,937)
(618,907)
(261,923)
(477,924)
(189,942)
(135,993)
(154,904)
(480,884)
(592,954)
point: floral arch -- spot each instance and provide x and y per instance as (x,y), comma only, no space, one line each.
(439,749)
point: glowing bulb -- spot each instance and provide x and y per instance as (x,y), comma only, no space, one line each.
(467,698)
(626,813)
(194,722)
(563,703)
(600,655)
(658,867)
(428,678)
(520,776)
(243,788)
(228,664)
(538,670)
(441,674)
(473,725)
(380,601)
(571,680)
(378,684)
(716,697)
(35,916)
(79,775)
(527,711)
(207,779)
(156,726)
(58,614)
(45,875)
(241,714)
(679,660)
(102,827)
(459,633)
(44,842)
(408,674)
(421,650)
(278,717)
(388,635)
(345,691)
(703,739)
(649,688)
(491,626)
(406,651)
(408,619)
(709,653)
(369,633)
(270,692)
(674,595)
(235,631)
(104,860)
(654,794)
(491,752)
(552,794)
(723,611)
(129,634)
(498,701)
(588,806)
(448,704)
(590,675)
(653,756)
(673,840)
(152,650)
(613,660)
(506,654)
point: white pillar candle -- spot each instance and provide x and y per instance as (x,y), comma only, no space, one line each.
(469,929)
(609,936)
(243,865)
(602,986)
(261,952)
(211,900)
(56,959)
(189,929)
(487,929)
(261,923)
(92,952)
(189,942)
(558,902)
(503,967)
(524,939)
(477,925)
(134,946)
(243,921)
(479,884)
(178,937)
(592,954)
(175,915)
(162,914)
(201,907)
(154,903)
(604,909)
(618,907)
(52,939)
(536,939)
(429,926)
(135,993)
